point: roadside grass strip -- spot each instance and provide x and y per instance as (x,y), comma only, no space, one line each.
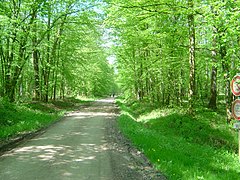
(16,119)
(183,147)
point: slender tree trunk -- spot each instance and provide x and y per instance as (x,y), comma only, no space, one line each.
(213,93)
(55,77)
(228,94)
(47,65)
(36,74)
(8,67)
(62,85)
(213,98)
(192,88)
(2,57)
(181,89)
(163,93)
(35,58)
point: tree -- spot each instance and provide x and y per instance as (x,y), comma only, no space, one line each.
(170,52)
(191,26)
(38,40)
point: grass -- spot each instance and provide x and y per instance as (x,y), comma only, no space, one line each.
(181,146)
(29,117)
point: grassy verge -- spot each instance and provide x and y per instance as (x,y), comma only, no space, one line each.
(180,146)
(29,117)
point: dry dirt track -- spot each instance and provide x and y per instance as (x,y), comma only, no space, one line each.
(84,145)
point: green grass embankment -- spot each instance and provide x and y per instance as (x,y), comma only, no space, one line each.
(17,119)
(181,146)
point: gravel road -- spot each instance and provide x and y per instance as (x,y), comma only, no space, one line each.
(85,144)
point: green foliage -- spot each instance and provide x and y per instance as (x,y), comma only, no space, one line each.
(151,46)
(29,117)
(51,49)
(21,120)
(183,147)
(7,111)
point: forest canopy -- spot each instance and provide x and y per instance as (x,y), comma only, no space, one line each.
(175,53)
(168,53)
(52,48)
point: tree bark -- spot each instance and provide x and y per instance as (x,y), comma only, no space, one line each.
(47,65)
(213,97)
(192,88)
(35,58)
(228,94)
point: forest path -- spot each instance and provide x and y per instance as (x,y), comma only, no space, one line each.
(77,147)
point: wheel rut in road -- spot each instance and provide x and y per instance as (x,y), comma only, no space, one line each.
(83,145)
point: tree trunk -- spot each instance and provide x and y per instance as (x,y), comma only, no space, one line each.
(2,57)
(35,58)
(47,65)
(228,94)
(192,88)
(213,97)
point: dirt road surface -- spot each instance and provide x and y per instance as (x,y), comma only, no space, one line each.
(85,144)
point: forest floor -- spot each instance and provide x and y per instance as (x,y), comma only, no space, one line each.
(85,144)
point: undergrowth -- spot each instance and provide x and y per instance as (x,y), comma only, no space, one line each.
(23,118)
(182,146)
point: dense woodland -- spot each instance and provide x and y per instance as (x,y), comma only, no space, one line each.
(167,53)
(174,52)
(52,48)
(170,62)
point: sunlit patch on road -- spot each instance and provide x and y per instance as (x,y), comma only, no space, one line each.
(109,100)
(80,159)
(82,115)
